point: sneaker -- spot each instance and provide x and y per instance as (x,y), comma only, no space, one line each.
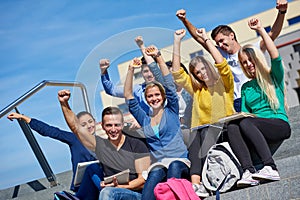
(267,173)
(247,180)
(200,190)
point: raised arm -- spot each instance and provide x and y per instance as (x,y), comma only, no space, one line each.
(155,53)
(135,63)
(215,53)
(69,115)
(82,134)
(140,42)
(255,24)
(176,59)
(181,14)
(14,115)
(281,6)
(107,84)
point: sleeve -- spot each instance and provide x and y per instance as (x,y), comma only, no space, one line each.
(172,98)
(110,88)
(135,109)
(277,70)
(184,80)
(140,149)
(226,75)
(156,72)
(52,132)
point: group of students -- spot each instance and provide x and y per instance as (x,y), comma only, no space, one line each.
(239,80)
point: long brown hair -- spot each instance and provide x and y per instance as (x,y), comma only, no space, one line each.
(196,82)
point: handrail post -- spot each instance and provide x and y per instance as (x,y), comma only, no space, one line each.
(37,152)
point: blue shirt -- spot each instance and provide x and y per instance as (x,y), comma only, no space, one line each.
(118,91)
(79,153)
(170,143)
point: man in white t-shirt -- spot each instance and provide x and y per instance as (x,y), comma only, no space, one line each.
(228,45)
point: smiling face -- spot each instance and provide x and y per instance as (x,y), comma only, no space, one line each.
(154,97)
(201,72)
(147,74)
(247,64)
(112,124)
(225,42)
(87,121)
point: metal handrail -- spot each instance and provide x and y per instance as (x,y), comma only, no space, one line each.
(41,85)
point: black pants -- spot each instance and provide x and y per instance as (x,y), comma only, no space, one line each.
(256,133)
(200,142)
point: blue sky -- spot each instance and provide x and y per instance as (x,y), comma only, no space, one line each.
(63,40)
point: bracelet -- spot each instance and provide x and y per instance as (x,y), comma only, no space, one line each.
(157,55)
(206,40)
(282,12)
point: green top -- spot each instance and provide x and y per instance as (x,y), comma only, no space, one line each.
(256,102)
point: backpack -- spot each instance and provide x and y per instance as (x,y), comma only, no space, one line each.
(221,168)
(175,189)
(64,195)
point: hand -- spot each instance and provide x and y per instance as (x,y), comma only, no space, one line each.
(13,115)
(179,34)
(104,64)
(181,14)
(64,95)
(134,124)
(135,63)
(254,24)
(202,33)
(281,5)
(139,41)
(151,50)
(114,183)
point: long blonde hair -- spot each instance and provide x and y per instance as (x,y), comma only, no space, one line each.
(262,73)
(196,82)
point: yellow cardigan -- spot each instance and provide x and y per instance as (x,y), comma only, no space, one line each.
(210,104)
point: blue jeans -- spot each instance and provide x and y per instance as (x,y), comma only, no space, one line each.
(177,169)
(109,193)
(90,184)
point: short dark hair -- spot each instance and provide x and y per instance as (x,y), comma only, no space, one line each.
(169,65)
(111,111)
(224,29)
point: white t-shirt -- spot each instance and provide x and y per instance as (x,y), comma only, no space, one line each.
(237,72)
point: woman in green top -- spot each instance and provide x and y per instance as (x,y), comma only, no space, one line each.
(263,96)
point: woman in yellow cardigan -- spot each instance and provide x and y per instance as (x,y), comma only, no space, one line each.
(212,92)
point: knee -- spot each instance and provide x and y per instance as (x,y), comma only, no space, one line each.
(106,193)
(176,169)
(95,169)
(246,122)
(175,165)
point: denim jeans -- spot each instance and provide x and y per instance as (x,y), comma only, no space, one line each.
(89,188)
(109,193)
(177,169)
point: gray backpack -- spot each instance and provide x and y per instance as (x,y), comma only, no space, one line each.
(221,168)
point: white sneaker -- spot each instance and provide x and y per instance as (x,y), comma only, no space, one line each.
(200,190)
(247,180)
(267,173)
